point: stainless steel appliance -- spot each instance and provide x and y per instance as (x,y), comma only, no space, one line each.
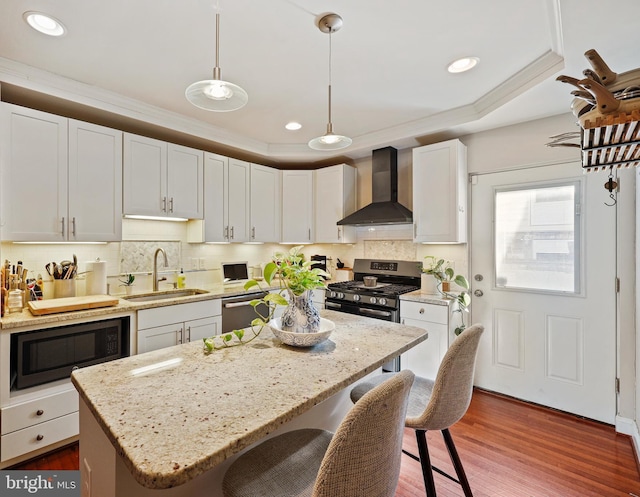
(379,301)
(237,312)
(47,355)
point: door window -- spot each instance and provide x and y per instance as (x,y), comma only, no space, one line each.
(537,238)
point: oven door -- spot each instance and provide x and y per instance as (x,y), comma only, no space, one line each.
(369,311)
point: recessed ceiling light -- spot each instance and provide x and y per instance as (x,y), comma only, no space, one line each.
(293,126)
(44,23)
(462,65)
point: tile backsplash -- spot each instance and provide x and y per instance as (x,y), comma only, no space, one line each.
(201,262)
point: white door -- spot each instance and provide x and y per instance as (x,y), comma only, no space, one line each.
(543,282)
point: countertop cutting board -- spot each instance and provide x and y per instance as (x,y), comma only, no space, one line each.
(41,307)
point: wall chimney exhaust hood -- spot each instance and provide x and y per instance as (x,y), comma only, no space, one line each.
(384,208)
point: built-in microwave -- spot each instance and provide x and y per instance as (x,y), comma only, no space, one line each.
(47,355)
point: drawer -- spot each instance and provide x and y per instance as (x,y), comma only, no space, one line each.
(38,411)
(178,313)
(424,312)
(37,437)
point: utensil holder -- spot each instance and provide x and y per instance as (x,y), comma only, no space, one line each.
(64,288)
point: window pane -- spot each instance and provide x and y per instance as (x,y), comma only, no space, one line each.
(536,238)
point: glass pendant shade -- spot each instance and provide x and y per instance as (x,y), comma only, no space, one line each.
(330,141)
(215,94)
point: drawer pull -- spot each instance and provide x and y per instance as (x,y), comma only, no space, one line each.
(39,437)
(39,412)
(421,311)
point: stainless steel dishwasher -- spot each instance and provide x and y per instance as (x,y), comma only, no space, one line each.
(237,312)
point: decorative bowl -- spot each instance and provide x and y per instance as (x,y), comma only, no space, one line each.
(302,339)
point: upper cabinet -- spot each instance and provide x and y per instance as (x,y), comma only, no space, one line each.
(335,198)
(440,193)
(226,201)
(265,204)
(61,178)
(162,179)
(297,206)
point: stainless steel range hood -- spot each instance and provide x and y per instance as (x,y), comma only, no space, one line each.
(384,208)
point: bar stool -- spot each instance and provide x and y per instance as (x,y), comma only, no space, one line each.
(362,459)
(436,405)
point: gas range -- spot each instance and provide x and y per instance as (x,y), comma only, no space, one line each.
(382,300)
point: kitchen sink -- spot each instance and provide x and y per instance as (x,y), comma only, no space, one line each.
(164,295)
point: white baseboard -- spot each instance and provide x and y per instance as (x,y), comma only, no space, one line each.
(629,427)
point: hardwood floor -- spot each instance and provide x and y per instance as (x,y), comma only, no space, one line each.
(509,449)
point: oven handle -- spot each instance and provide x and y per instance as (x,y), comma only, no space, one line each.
(375,312)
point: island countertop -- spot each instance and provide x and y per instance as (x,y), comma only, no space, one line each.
(175,413)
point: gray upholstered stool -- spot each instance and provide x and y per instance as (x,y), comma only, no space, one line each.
(436,405)
(362,459)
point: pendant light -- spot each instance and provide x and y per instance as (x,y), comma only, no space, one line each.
(330,23)
(215,94)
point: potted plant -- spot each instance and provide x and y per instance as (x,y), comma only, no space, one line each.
(296,278)
(127,282)
(443,272)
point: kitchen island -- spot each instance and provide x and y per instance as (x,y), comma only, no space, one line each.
(174,419)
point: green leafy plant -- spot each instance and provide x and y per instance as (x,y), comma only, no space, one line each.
(442,270)
(128,280)
(294,275)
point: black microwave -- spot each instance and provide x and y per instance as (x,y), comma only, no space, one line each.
(43,356)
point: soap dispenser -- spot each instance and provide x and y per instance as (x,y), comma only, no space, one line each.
(182,279)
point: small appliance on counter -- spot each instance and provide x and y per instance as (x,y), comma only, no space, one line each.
(320,261)
(235,272)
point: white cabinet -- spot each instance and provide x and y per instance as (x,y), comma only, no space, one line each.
(35,424)
(61,178)
(297,206)
(440,193)
(424,359)
(265,204)
(174,324)
(162,179)
(226,201)
(335,198)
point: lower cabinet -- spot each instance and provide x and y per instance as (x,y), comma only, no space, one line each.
(38,423)
(171,325)
(424,359)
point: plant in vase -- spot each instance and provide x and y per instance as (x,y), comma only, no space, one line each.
(443,272)
(127,282)
(296,278)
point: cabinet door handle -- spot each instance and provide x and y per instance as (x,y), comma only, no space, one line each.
(421,311)
(39,412)
(164,204)
(309,234)
(253,233)
(226,232)
(415,230)
(39,437)
(338,233)
(187,335)
(171,204)
(73,224)
(63,227)
(232,234)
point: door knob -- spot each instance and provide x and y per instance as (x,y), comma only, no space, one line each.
(478,293)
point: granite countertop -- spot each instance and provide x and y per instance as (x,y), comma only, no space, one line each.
(25,318)
(173,423)
(425,298)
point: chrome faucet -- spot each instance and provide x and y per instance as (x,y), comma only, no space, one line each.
(155,268)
